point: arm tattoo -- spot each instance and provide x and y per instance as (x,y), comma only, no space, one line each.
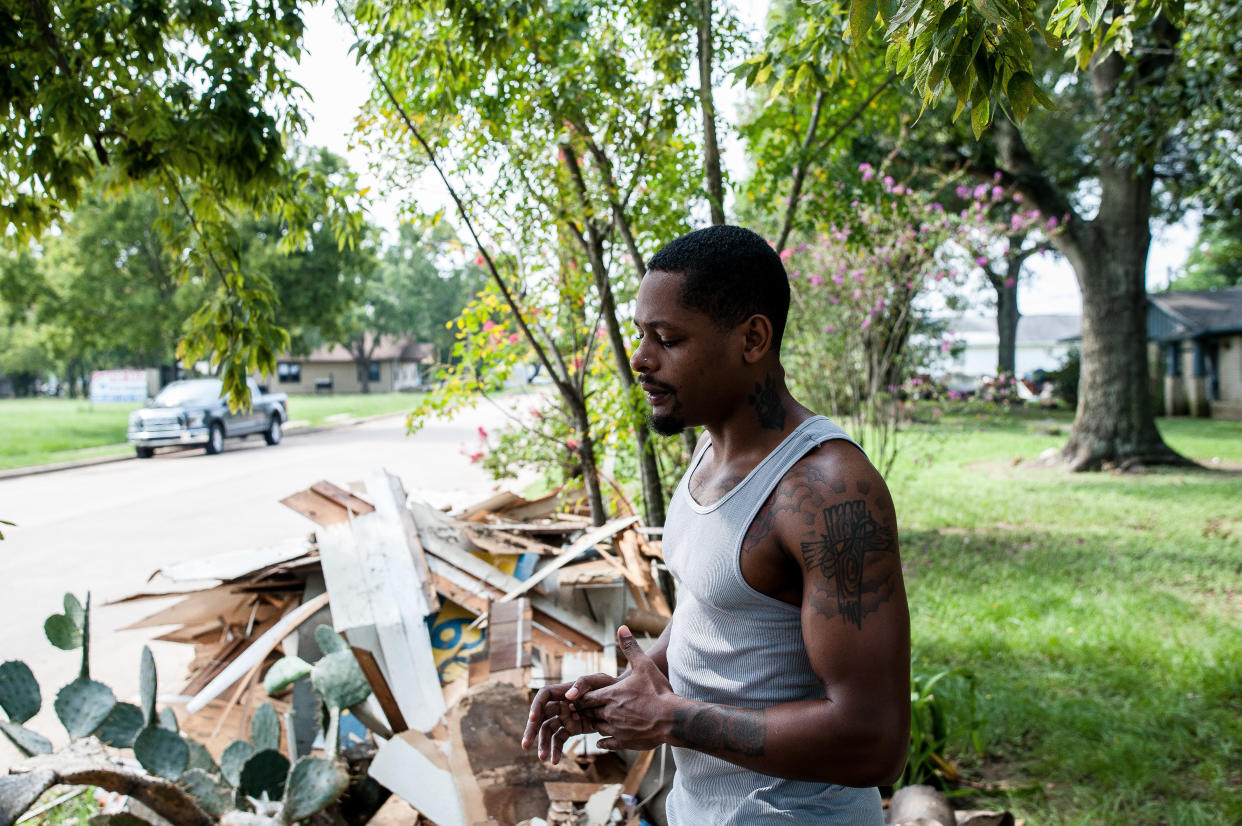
(720,728)
(850,534)
(767,403)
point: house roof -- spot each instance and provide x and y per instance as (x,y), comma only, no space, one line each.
(1195,312)
(1032,329)
(389,348)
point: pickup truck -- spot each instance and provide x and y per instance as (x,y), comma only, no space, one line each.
(195,412)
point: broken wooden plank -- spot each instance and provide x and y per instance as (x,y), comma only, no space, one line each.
(381,689)
(392,502)
(580,545)
(509,640)
(571,792)
(325,504)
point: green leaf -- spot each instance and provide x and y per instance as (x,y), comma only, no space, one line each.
(285,672)
(265,728)
(1021,91)
(201,759)
(168,719)
(162,752)
(83,705)
(980,116)
(19,691)
(74,611)
(862,15)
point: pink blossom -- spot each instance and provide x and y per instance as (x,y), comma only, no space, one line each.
(866,323)
(482,434)
(1052,223)
(981,192)
(786,254)
(831,328)
(982,261)
(899,190)
(488,325)
(962,192)
(1009,282)
(816,281)
(868,174)
(997,193)
(1018,197)
(572,444)
(475,457)
(794,276)
(857,293)
(864,167)
(888,183)
(838,280)
(945,346)
(514,338)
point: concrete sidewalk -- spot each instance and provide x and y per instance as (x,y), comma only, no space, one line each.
(35,470)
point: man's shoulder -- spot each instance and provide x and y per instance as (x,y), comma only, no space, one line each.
(833,474)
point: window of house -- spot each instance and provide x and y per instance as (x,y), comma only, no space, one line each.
(373,371)
(288,372)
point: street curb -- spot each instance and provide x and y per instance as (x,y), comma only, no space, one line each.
(35,470)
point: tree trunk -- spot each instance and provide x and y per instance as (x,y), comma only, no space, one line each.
(590,467)
(1115,424)
(711,150)
(1007,316)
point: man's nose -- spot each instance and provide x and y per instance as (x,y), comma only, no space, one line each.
(639,362)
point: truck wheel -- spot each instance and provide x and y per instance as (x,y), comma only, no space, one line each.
(215,441)
(273,433)
(144,452)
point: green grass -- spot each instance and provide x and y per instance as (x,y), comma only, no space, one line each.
(42,431)
(1101,612)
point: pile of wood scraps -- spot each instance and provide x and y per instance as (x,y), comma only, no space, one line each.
(455,620)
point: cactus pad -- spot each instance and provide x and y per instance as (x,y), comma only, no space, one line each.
(285,672)
(62,633)
(19,691)
(313,784)
(232,760)
(265,772)
(213,795)
(167,719)
(146,686)
(329,641)
(339,680)
(83,705)
(28,742)
(162,752)
(201,759)
(121,726)
(265,729)
(18,792)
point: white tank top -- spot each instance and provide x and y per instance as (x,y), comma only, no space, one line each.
(732,645)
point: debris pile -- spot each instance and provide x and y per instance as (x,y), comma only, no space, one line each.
(455,620)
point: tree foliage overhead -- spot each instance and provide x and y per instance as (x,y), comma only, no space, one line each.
(191,101)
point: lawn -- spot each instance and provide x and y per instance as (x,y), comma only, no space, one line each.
(1101,614)
(40,431)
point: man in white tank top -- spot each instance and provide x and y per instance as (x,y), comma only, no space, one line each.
(782,681)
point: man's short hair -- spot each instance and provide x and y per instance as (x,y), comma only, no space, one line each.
(729,274)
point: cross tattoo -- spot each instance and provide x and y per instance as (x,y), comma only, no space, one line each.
(850,534)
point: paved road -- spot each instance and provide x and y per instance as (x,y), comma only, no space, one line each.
(107,528)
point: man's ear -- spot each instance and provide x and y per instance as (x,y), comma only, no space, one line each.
(757,338)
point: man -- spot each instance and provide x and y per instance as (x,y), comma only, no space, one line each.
(782,681)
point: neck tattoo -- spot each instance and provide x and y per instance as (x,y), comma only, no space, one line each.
(767,403)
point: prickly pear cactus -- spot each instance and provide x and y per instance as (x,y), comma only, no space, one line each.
(313,784)
(147,686)
(285,672)
(167,719)
(200,758)
(19,691)
(232,760)
(66,631)
(83,705)
(28,742)
(121,726)
(264,773)
(265,728)
(213,795)
(329,641)
(339,680)
(162,752)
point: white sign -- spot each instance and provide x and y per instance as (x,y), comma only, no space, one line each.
(119,386)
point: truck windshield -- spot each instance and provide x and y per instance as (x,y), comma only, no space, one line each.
(181,393)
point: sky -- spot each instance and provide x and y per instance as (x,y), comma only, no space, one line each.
(337,88)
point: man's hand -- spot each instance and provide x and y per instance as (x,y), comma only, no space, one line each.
(635,712)
(553,717)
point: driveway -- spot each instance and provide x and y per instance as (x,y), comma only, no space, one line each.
(107,528)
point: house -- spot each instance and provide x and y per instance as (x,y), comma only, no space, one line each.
(1043,342)
(1196,336)
(396,364)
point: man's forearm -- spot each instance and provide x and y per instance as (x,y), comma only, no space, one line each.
(807,740)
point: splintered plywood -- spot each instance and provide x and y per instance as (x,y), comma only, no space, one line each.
(509,630)
(326,504)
